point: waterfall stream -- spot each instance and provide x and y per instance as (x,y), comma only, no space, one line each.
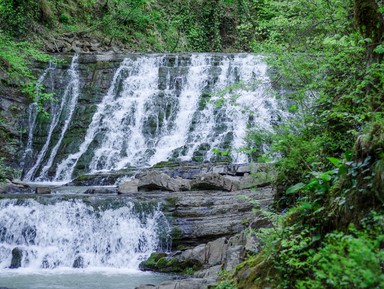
(158,107)
(73,233)
(66,107)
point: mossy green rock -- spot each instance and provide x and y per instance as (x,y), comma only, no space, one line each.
(161,263)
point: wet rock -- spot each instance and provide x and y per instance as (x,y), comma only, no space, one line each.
(101,191)
(160,262)
(43,190)
(213,181)
(129,187)
(203,216)
(17,257)
(151,263)
(154,180)
(79,262)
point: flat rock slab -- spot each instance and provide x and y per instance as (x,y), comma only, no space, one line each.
(202,216)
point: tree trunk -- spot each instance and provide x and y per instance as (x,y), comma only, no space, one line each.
(370,24)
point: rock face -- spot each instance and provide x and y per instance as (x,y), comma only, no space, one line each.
(209,222)
(201,216)
(12,109)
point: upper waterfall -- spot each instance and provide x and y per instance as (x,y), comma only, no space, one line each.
(151,108)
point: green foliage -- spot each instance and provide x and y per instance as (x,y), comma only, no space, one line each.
(347,261)
(7,172)
(225,281)
(15,62)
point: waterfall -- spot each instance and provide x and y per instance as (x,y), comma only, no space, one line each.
(66,107)
(160,107)
(32,114)
(75,234)
(70,97)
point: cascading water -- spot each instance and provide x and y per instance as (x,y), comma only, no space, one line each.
(32,114)
(74,234)
(161,108)
(64,110)
(135,111)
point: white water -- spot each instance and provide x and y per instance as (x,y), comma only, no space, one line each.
(153,112)
(57,235)
(70,96)
(187,105)
(32,114)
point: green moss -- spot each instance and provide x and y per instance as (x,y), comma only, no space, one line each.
(165,165)
(162,263)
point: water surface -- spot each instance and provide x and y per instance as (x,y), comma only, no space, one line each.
(78,278)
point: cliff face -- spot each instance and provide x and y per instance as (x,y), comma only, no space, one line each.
(12,108)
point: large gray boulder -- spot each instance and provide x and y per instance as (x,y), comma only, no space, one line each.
(155,180)
(214,181)
(129,187)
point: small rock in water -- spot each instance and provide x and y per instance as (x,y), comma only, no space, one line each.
(17,256)
(79,262)
(43,190)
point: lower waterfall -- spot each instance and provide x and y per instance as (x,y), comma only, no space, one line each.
(74,233)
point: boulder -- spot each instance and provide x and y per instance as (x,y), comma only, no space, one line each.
(208,255)
(234,256)
(213,181)
(211,273)
(17,257)
(197,254)
(129,187)
(216,251)
(79,262)
(154,180)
